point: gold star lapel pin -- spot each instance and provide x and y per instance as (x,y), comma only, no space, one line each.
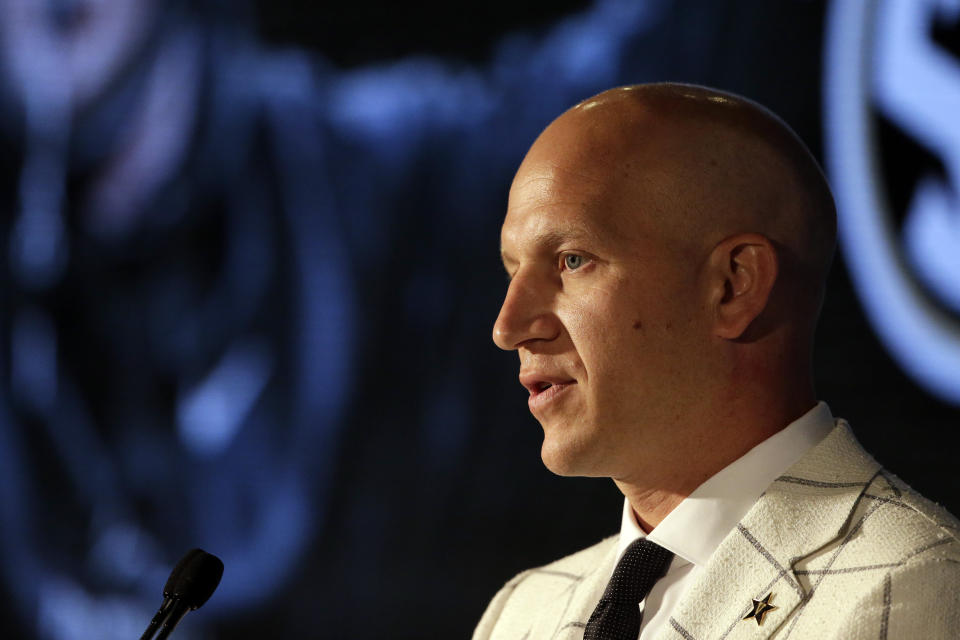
(760,609)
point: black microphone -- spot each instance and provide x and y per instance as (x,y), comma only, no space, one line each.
(191,583)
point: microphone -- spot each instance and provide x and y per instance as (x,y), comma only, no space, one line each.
(191,583)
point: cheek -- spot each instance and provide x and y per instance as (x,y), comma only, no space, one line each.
(609,331)
(596,316)
(631,340)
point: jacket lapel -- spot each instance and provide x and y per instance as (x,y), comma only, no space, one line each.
(803,511)
(567,616)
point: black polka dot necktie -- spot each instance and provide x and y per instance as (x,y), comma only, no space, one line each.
(617,616)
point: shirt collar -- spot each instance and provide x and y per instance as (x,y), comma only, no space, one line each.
(697,526)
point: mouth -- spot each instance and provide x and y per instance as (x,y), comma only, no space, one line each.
(544,390)
(537,385)
(551,388)
(548,395)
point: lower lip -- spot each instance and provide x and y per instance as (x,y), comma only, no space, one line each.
(542,400)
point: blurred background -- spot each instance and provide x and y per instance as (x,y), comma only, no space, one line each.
(249,268)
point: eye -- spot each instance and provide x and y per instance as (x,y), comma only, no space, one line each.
(572,261)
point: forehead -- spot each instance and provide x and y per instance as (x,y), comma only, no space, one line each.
(552,205)
(564,197)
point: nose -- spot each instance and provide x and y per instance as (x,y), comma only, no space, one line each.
(526,315)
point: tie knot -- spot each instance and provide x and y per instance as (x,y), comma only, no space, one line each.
(617,616)
(642,564)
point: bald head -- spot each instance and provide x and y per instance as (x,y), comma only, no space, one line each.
(699,165)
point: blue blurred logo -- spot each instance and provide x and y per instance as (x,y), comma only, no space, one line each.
(892,99)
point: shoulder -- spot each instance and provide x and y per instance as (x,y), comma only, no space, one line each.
(912,549)
(881,514)
(874,556)
(535,589)
(893,572)
(899,527)
(560,574)
(889,529)
(907,530)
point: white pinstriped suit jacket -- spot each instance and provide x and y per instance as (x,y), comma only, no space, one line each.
(848,551)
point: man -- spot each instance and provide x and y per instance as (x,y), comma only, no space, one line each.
(667,247)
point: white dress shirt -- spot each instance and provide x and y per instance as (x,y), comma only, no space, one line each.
(697,526)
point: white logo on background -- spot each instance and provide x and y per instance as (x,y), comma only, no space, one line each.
(881,59)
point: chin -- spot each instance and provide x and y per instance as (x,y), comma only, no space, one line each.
(571,459)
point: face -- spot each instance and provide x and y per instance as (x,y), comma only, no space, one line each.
(601,308)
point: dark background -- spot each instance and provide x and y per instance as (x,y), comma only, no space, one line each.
(338,209)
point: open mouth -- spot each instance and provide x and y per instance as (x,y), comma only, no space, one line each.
(544,394)
(548,388)
(540,384)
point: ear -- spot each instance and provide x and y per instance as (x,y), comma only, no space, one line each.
(743,269)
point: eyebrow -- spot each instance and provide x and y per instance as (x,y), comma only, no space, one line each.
(565,233)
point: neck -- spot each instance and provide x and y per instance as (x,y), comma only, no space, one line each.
(726,437)
(650,507)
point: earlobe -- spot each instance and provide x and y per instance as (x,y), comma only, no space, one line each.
(744,269)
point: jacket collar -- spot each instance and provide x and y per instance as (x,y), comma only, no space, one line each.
(697,526)
(802,511)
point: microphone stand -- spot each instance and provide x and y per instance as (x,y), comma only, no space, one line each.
(191,583)
(169,615)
